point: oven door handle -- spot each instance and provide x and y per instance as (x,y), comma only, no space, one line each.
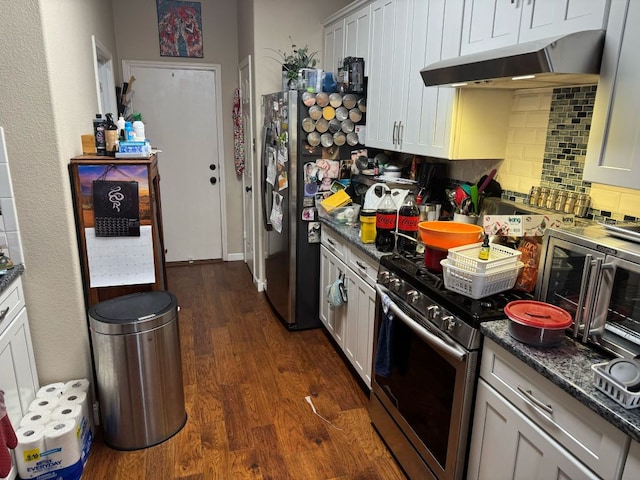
(433,340)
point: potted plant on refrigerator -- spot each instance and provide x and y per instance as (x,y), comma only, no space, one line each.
(292,62)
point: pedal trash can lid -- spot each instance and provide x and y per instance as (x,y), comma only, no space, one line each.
(134,313)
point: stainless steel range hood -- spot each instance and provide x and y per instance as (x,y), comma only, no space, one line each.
(572,59)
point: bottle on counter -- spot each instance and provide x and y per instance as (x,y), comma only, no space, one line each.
(99,125)
(386,218)
(111,135)
(120,124)
(484,249)
(408,218)
(367,226)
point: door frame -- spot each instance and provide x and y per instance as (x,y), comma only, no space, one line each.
(217,69)
(250,162)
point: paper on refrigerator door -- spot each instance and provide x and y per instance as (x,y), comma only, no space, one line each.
(272,170)
(276,212)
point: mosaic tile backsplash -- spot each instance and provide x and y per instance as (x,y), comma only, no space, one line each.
(565,148)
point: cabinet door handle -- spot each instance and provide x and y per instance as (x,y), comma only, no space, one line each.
(3,313)
(361,266)
(331,242)
(528,394)
(400,133)
(395,132)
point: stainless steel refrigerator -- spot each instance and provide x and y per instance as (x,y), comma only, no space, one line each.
(292,256)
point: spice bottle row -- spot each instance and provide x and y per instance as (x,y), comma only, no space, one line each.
(560,200)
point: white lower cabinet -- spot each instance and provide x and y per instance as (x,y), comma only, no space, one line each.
(527,427)
(18,376)
(632,465)
(351,324)
(512,446)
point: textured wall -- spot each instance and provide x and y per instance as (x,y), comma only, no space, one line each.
(47,100)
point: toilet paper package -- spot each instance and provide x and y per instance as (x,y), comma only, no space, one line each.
(76,406)
(51,390)
(50,451)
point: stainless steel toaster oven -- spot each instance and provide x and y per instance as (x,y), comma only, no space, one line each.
(595,275)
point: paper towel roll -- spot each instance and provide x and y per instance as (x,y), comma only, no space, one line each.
(79,398)
(30,445)
(69,411)
(81,384)
(44,403)
(40,417)
(62,435)
(51,390)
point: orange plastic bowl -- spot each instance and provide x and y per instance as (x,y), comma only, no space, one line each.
(446,235)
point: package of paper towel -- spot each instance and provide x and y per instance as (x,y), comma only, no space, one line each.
(56,434)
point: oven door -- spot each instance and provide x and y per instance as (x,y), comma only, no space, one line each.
(422,391)
(615,323)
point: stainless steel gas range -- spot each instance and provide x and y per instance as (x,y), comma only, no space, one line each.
(426,347)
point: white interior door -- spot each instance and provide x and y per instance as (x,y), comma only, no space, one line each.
(180,106)
(246,98)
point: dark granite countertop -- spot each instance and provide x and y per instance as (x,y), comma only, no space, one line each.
(568,366)
(352,234)
(7,279)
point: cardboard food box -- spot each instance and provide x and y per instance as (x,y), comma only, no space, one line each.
(525,225)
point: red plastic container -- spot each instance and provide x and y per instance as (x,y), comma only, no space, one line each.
(537,323)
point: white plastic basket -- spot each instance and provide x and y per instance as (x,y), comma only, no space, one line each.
(613,389)
(500,257)
(479,285)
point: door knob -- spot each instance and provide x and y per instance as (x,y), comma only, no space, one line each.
(212,166)
(247,189)
(213,180)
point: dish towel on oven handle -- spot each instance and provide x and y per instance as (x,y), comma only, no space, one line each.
(384,349)
(8,439)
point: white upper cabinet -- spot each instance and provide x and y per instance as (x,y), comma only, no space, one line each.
(388,77)
(490,24)
(333,46)
(404,115)
(613,152)
(548,18)
(347,34)
(356,35)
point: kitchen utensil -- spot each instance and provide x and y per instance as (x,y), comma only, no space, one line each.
(308,98)
(392,171)
(334,125)
(487,181)
(349,101)
(445,235)
(474,198)
(537,323)
(352,139)
(362,104)
(339,138)
(459,195)
(478,285)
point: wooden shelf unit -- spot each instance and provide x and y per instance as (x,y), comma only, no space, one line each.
(151,216)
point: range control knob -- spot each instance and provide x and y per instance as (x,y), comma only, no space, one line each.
(413,297)
(433,312)
(448,323)
(395,284)
(383,277)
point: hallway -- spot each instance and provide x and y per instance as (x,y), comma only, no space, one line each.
(246,379)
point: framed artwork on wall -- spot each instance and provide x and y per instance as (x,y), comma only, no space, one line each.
(179,28)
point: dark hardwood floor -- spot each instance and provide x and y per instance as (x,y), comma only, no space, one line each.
(245,381)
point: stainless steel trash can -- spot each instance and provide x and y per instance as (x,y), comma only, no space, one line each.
(136,348)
